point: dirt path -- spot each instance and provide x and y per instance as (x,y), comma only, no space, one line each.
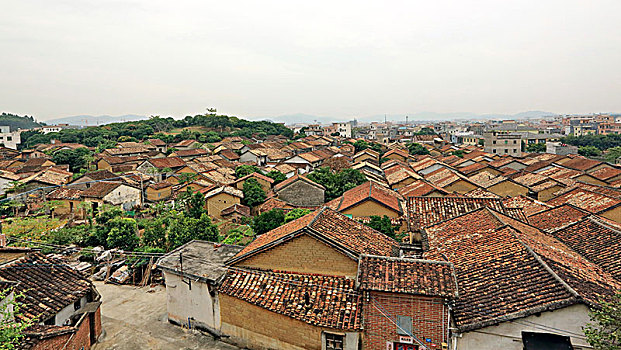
(134,318)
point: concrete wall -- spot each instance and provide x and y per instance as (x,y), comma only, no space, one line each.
(302,193)
(508,335)
(304,254)
(195,304)
(63,315)
(127,197)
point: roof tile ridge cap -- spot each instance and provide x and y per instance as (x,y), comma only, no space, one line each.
(545,265)
(597,221)
(405,258)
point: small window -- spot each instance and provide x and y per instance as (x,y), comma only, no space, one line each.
(405,325)
(506,150)
(494,150)
(494,142)
(514,150)
(514,142)
(334,341)
(50,321)
(9,138)
(76,305)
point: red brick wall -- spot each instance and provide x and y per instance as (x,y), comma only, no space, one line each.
(429,319)
(81,339)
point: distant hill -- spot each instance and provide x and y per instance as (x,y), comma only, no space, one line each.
(91,120)
(414,117)
(16,122)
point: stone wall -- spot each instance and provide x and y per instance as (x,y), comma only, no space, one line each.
(302,193)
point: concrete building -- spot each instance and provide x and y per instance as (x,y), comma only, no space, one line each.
(10,139)
(561,148)
(503,143)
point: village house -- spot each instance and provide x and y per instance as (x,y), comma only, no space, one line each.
(192,273)
(158,191)
(300,191)
(219,198)
(69,202)
(367,155)
(64,305)
(186,144)
(114,193)
(367,200)
(161,168)
(85,181)
(159,145)
(265,182)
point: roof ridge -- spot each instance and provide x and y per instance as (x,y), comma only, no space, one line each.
(545,265)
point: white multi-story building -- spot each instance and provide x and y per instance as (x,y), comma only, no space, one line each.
(8,138)
(344,129)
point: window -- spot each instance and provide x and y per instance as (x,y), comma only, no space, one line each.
(514,142)
(494,150)
(50,321)
(494,142)
(405,325)
(514,150)
(334,341)
(76,305)
(506,150)
(9,138)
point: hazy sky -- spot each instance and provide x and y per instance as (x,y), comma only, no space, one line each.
(332,58)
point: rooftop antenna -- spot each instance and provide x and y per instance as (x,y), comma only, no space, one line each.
(384,118)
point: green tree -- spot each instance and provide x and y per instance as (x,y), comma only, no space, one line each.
(253,193)
(183,229)
(295,214)
(536,148)
(277,176)
(77,159)
(361,145)
(605,331)
(612,154)
(154,234)
(459,153)
(193,203)
(425,131)
(245,169)
(383,225)
(417,148)
(589,151)
(122,234)
(336,183)
(12,323)
(268,221)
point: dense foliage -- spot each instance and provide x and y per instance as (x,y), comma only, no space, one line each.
(417,148)
(605,331)
(335,182)
(277,176)
(77,159)
(253,193)
(536,148)
(268,221)
(246,169)
(362,145)
(603,142)
(383,225)
(17,122)
(215,128)
(12,324)
(612,154)
(589,151)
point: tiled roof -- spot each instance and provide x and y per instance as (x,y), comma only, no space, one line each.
(100,189)
(507,269)
(184,143)
(584,199)
(293,179)
(236,208)
(408,276)
(48,284)
(193,152)
(349,236)
(398,152)
(555,218)
(323,301)
(480,193)
(367,190)
(224,189)
(160,185)
(529,205)
(228,154)
(100,175)
(157,142)
(425,211)
(65,193)
(201,259)
(51,176)
(467,170)
(399,174)
(529,179)
(420,188)
(168,162)
(580,163)
(485,179)
(597,239)
(605,173)
(444,177)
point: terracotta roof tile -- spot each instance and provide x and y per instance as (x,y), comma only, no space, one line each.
(168,162)
(591,201)
(334,228)
(529,205)
(426,211)
(408,276)
(368,191)
(293,179)
(323,301)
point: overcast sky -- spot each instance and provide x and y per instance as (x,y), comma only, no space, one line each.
(332,58)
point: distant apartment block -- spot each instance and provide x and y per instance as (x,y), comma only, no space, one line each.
(10,139)
(561,148)
(503,143)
